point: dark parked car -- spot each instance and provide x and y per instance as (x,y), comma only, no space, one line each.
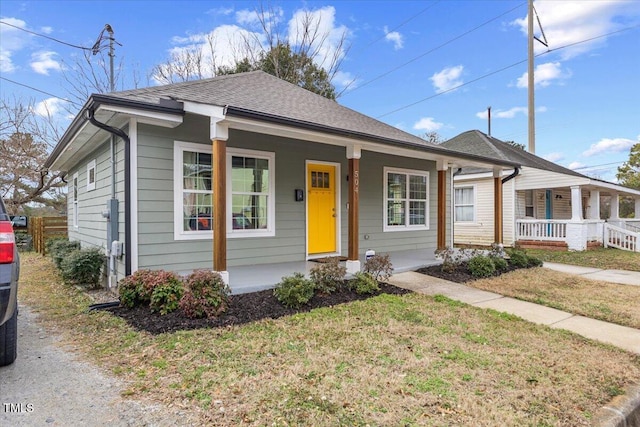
(9,273)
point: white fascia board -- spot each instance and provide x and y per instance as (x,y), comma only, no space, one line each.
(147,117)
(207,110)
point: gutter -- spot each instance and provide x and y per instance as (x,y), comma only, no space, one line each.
(127,184)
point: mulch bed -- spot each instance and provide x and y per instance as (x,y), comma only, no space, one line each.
(244,308)
(461,274)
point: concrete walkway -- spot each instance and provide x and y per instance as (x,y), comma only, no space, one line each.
(613,276)
(619,336)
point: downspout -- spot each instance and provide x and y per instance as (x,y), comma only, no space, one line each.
(458,172)
(515,173)
(127,183)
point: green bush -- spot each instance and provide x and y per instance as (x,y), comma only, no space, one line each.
(328,277)
(500,263)
(83,267)
(205,295)
(166,297)
(138,288)
(364,283)
(518,258)
(379,267)
(481,266)
(59,249)
(294,291)
(534,262)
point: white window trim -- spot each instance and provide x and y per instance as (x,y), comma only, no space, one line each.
(178,233)
(74,200)
(475,204)
(393,228)
(91,185)
(270,231)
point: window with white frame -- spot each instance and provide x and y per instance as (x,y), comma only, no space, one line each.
(91,175)
(250,205)
(250,189)
(406,199)
(529,204)
(74,198)
(464,202)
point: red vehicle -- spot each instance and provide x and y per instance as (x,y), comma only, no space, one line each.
(9,274)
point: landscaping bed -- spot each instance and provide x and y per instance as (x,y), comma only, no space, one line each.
(461,274)
(243,308)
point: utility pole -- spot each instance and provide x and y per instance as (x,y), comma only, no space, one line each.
(531,83)
(112,54)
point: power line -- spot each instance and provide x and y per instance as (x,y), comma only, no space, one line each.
(434,49)
(506,68)
(406,21)
(41,91)
(45,36)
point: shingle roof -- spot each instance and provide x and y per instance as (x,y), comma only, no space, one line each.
(263,93)
(479,143)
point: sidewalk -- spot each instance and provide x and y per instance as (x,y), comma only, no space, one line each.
(613,276)
(620,336)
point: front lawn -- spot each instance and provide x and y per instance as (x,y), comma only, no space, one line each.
(388,360)
(605,258)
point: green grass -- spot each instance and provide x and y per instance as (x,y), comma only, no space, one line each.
(605,258)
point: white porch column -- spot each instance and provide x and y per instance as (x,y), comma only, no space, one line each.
(576,203)
(637,211)
(594,204)
(615,206)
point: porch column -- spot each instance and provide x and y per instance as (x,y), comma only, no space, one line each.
(353,262)
(615,206)
(219,135)
(576,203)
(497,206)
(594,204)
(637,209)
(442,205)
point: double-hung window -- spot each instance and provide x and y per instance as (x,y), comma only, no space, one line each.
(250,192)
(528,204)
(406,199)
(464,204)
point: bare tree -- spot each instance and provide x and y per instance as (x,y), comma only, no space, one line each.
(25,141)
(433,137)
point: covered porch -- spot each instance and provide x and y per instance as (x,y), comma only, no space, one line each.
(573,218)
(265,276)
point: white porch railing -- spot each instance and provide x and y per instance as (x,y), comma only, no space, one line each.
(631,224)
(617,237)
(541,229)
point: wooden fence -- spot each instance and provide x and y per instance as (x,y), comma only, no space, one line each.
(43,228)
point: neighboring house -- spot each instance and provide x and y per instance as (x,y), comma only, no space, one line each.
(244,172)
(545,204)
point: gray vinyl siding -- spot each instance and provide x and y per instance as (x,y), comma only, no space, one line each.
(158,249)
(92,226)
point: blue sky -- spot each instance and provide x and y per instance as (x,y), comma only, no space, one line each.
(418,65)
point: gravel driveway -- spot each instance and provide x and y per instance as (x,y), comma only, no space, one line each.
(48,385)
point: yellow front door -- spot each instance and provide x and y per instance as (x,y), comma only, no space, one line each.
(321,205)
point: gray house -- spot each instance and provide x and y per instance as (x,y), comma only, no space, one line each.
(251,176)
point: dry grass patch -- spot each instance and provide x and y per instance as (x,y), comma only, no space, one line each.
(591,298)
(388,361)
(606,258)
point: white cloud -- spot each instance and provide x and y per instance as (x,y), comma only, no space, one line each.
(427,124)
(553,157)
(608,145)
(569,22)
(575,165)
(447,79)
(343,79)
(11,40)
(321,22)
(46,30)
(394,37)
(224,11)
(49,107)
(544,75)
(255,18)
(43,62)
(507,114)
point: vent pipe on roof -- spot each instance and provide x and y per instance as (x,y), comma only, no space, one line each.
(489,119)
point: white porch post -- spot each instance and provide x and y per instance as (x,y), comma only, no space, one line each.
(576,203)
(576,228)
(615,206)
(637,210)
(594,204)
